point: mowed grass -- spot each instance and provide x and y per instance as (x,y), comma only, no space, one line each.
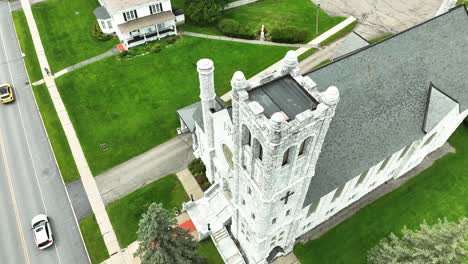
(131,105)
(438,192)
(207,250)
(126,212)
(94,242)
(276,14)
(65,28)
(27,46)
(56,134)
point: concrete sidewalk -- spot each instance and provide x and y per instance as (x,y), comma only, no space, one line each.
(168,158)
(87,178)
(190,184)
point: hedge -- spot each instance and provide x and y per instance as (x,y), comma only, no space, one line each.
(288,35)
(232,28)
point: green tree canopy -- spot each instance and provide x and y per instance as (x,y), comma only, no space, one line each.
(162,241)
(443,243)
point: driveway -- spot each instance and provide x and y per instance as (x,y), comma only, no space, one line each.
(377,17)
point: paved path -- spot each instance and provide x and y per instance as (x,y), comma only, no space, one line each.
(190,185)
(376,194)
(16,5)
(250,41)
(30,182)
(86,62)
(168,158)
(238,3)
(87,178)
(377,17)
(315,59)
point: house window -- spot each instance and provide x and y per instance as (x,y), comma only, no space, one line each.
(281,234)
(338,193)
(330,211)
(273,221)
(249,191)
(404,152)
(130,15)
(273,239)
(312,208)
(352,197)
(429,140)
(287,212)
(373,184)
(109,24)
(384,164)
(154,9)
(103,24)
(362,177)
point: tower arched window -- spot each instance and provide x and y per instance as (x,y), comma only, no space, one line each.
(286,156)
(305,145)
(258,150)
(246,136)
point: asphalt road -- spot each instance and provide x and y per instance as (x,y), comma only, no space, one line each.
(30,183)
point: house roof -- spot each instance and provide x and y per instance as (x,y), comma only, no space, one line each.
(146,21)
(384,95)
(114,6)
(186,114)
(101,13)
(439,105)
(283,95)
(193,113)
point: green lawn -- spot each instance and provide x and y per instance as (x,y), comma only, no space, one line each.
(56,134)
(27,46)
(65,28)
(126,212)
(306,54)
(276,13)
(94,242)
(343,32)
(207,250)
(131,105)
(438,192)
(380,38)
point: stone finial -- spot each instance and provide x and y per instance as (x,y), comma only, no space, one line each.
(238,81)
(276,120)
(290,62)
(205,68)
(331,96)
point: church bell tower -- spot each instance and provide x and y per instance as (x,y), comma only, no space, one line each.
(277,136)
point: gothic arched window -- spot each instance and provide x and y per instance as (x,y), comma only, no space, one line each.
(305,145)
(246,137)
(258,150)
(286,156)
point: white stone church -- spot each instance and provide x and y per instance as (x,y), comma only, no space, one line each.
(293,150)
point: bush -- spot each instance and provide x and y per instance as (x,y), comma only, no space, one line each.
(288,35)
(233,28)
(97,33)
(198,170)
(203,12)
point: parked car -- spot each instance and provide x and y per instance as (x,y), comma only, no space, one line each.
(42,231)
(6,93)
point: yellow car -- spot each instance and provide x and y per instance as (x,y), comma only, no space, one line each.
(6,93)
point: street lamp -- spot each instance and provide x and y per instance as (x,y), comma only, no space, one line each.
(316,22)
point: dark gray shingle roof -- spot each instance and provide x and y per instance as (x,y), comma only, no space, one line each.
(283,94)
(220,104)
(384,91)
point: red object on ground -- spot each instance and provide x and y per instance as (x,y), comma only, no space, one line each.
(121,48)
(188,225)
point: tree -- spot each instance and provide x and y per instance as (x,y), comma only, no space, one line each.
(204,12)
(162,241)
(442,243)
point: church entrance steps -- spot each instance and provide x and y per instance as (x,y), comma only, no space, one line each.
(209,214)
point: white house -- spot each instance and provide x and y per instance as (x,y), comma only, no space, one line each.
(136,22)
(293,150)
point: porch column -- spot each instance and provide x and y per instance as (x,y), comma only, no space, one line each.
(175,26)
(144,37)
(157,32)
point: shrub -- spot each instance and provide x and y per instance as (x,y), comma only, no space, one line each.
(198,170)
(154,47)
(203,12)
(288,35)
(232,28)
(97,33)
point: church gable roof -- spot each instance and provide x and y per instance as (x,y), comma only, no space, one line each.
(439,105)
(384,95)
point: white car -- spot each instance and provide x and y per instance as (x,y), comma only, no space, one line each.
(41,231)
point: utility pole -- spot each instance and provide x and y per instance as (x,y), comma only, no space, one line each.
(317,20)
